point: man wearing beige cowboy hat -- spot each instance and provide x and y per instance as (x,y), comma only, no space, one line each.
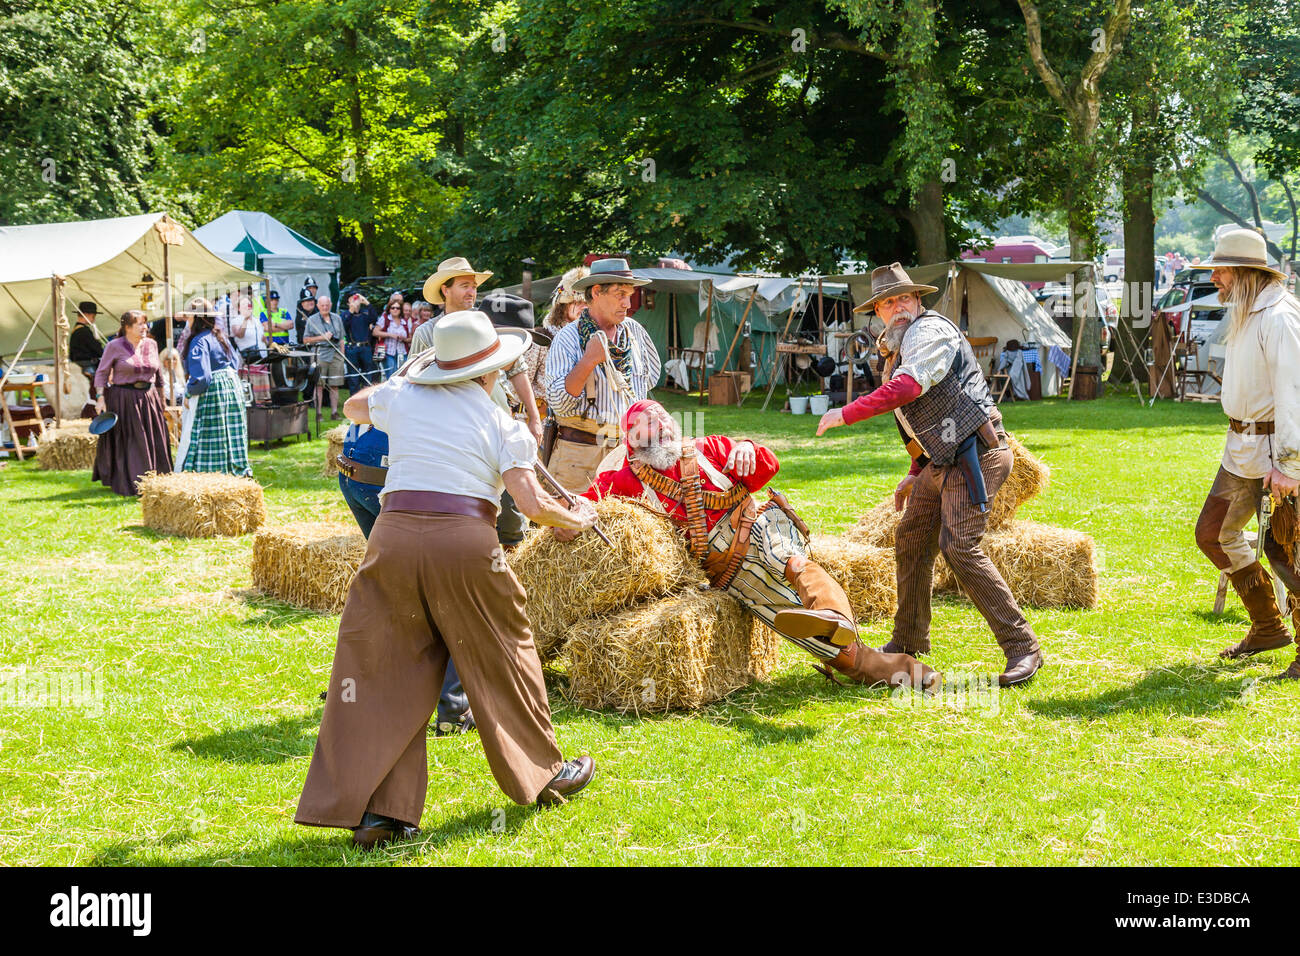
(596,368)
(1261,456)
(943,409)
(455,287)
(433,586)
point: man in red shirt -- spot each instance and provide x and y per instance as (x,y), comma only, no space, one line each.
(757,554)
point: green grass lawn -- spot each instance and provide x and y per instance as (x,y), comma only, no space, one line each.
(1134,745)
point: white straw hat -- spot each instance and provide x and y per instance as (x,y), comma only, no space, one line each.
(465,346)
(1241,248)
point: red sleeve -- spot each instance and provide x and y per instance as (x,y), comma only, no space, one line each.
(622,483)
(717,448)
(898,391)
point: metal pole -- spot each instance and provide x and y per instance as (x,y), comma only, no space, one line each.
(167,315)
(56,294)
(704,355)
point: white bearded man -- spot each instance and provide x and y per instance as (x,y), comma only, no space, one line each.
(757,554)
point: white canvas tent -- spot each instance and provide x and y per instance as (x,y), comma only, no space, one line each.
(258,242)
(100,260)
(997,302)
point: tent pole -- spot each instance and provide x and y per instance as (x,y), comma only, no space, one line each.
(704,355)
(776,353)
(167,315)
(740,328)
(56,292)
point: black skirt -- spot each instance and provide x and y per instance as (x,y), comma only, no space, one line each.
(138,443)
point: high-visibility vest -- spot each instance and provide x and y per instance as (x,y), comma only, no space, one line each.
(266,316)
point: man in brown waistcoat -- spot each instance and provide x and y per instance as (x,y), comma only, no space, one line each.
(953,431)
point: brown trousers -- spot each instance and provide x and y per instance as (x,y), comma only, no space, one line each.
(431,585)
(941,518)
(1233,502)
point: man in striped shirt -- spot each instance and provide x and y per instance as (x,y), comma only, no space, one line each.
(596,369)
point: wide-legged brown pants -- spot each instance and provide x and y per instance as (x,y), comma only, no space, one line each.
(941,518)
(1233,502)
(430,585)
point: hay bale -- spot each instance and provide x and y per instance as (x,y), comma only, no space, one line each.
(1043,566)
(333,449)
(865,572)
(201,504)
(69,448)
(1028,477)
(678,653)
(877,526)
(572,581)
(310,564)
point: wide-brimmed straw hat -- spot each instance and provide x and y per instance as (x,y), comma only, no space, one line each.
(609,272)
(564,293)
(465,346)
(449,269)
(1241,248)
(891,280)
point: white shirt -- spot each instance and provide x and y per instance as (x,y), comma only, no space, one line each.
(1261,383)
(252,337)
(926,354)
(448,438)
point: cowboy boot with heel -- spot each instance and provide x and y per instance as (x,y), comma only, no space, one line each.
(1267,630)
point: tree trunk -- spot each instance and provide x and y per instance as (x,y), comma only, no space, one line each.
(1139,271)
(1086,345)
(926,219)
(373,267)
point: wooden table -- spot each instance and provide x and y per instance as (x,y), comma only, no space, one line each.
(20,387)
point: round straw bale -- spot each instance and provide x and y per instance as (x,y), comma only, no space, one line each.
(677,653)
(866,573)
(310,564)
(201,504)
(567,582)
(68,448)
(334,448)
(1043,566)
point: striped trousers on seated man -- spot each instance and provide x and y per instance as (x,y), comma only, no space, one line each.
(756,553)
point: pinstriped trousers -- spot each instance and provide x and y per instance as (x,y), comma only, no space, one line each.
(940,518)
(760,582)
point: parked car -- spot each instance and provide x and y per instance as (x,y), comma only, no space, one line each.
(1013,249)
(378,289)
(1188,286)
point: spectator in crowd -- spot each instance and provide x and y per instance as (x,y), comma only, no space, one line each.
(173,376)
(394,335)
(278,326)
(306,309)
(214,435)
(246,332)
(84,346)
(566,306)
(358,321)
(129,382)
(325,333)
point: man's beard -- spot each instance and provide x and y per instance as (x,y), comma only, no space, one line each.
(660,455)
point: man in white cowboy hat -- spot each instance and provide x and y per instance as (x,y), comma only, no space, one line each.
(596,368)
(433,586)
(944,412)
(1261,457)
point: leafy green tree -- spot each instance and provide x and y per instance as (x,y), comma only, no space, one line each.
(326,114)
(74,93)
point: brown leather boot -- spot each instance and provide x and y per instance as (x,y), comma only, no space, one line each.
(825,613)
(1293,605)
(1267,631)
(866,665)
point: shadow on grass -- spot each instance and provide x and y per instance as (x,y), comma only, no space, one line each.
(1183,689)
(272,611)
(316,846)
(276,742)
(1227,616)
(95,494)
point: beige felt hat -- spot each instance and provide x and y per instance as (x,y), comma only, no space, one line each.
(465,346)
(449,269)
(1240,248)
(609,272)
(889,281)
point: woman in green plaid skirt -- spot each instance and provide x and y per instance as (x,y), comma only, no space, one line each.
(215,433)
